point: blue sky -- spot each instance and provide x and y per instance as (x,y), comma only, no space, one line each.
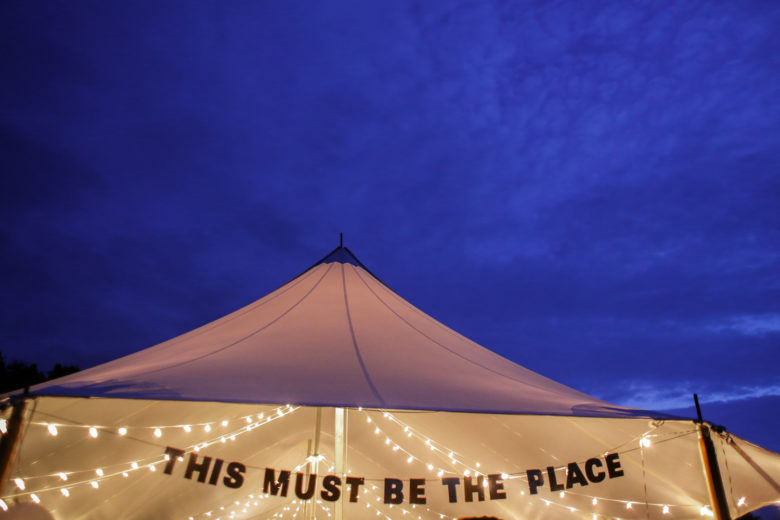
(590,190)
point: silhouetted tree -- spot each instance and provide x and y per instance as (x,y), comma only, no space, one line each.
(16,375)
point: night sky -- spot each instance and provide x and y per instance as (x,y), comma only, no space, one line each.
(589,189)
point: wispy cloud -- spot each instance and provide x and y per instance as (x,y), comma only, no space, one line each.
(648,396)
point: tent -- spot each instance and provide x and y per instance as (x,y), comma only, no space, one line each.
(333,397)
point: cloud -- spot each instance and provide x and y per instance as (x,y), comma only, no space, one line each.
(650,396)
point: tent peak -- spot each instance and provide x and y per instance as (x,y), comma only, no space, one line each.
(341,255)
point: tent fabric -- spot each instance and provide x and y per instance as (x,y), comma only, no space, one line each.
(333,336)
(168,432)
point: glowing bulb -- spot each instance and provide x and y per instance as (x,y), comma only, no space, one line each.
(562,494)
(645,442)
(248,420)
(3,429)
(65,492)
(666,510)
(19,483)
(3,505)
(93,432)
(167,457)
(62,475)
(94,484)
(134,465)
(594,501)
(704,511)
(122,431)
(99,472)
(260,415)
(504,476)
(152,468)
(410,459)
(629,505)
(430,467)
(187,428)
(124,474)
(222,439)
(440,473)
(387,440)
(207,428)
(52,429)
(741,502)
(368,419)
(376,431)
(396,448)
(467,473)
(157,432)
(224,423)
(547,502)
(35,498)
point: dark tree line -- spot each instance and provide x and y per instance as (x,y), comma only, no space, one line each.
(16,375)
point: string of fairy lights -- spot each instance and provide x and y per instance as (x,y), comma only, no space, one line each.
(66,481)
(442,461)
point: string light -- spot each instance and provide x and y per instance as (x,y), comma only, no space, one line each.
(122,431)
(19,483)
(93,432)
(52,429)
(3,505)
(65,492)
(157,432)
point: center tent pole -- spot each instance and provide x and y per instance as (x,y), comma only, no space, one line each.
(310,506)
(340,437)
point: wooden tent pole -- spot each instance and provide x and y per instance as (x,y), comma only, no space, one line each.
(709,462)
(11,440)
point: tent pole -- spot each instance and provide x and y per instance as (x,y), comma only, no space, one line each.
(340,435)
(312,464)
(9,444)
(709,462)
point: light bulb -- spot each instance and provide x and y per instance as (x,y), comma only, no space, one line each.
(187,428)
(65,492)
(93,432)
(62,475)
(19,483)
(35,498)
(122,431)
(94,484)
(99,472)
(52,429)
(157,432)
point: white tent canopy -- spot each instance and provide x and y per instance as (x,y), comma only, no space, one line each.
(334,373)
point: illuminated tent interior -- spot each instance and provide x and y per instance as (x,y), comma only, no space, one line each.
(398,416)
